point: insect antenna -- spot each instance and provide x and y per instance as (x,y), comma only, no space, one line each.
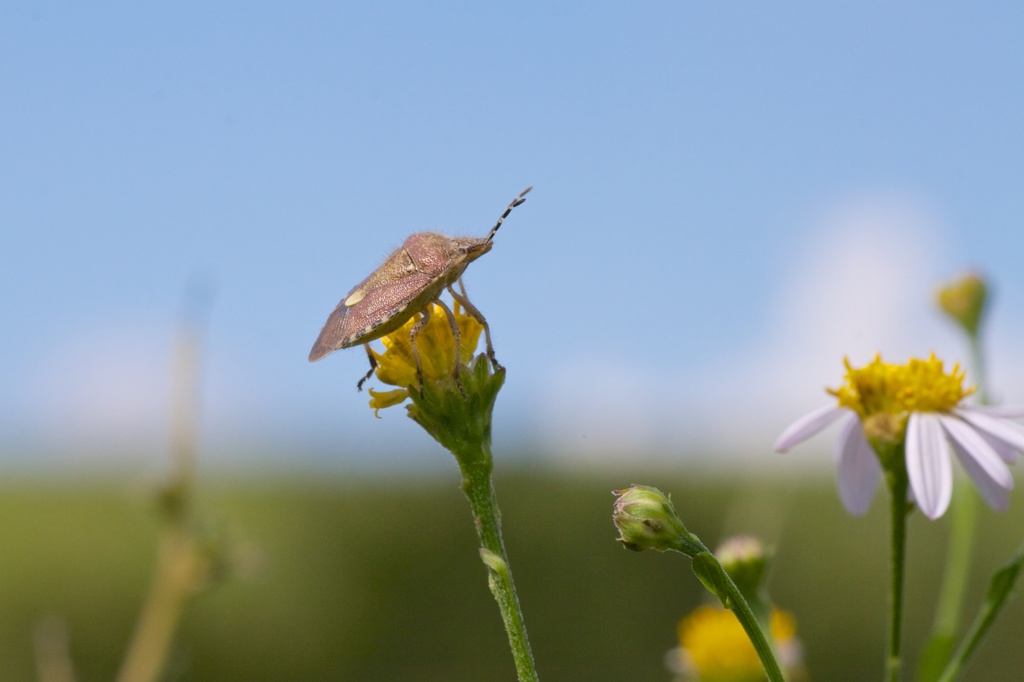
(515,202)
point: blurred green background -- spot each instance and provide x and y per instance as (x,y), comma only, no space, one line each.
(370,578)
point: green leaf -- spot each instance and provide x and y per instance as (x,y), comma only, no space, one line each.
(1001,587)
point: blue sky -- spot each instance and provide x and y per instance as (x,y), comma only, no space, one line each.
(728,199)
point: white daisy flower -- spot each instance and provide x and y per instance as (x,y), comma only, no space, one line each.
(919,410)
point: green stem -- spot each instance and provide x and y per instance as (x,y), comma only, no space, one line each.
(964,512)
(717,580)
(750,624)
(958,561)
(999,593)
(478,488)
(978,361)
(175,577)
(180,566)
(898,518)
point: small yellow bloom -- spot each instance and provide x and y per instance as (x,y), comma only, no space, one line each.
(964,301)
(436,345)
(897,390)
(716,648)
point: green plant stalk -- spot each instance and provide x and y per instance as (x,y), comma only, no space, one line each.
(173,582)
(717,580)
(753,629)
(957,573)
(898,544)
(461,422)
(978,362)
(479,490)
(179,565)
(964,513)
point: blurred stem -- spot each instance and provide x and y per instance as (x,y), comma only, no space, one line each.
(978,361)
(174,579)
(179,566)
(957,572)
(898,519)
(1000,591)
(477,485)
(954,581)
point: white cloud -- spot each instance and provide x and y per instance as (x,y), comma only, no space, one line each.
(100,393)
(859,283)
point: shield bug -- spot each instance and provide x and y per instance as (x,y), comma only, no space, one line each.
(408,281)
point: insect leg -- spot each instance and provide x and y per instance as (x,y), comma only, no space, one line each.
(373,366)
(463,300)
(413,333)
(458,344)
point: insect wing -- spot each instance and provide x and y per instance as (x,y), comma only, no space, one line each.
(333,333)
(376,309)
(389,305)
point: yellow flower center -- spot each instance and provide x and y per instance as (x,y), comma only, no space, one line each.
(883,395)
(897,390)
(436,346)
(719,649)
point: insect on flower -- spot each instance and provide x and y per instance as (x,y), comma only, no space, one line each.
(408,281)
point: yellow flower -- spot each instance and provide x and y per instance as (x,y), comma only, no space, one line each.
(907,416)
(716,648)
(436,345)
(880,389)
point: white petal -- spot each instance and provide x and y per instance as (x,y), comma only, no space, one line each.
(1005,451)
(928,465)
(996,496)
(807,426)
(1005,411)
(978,449)
(857,468)
(999,428)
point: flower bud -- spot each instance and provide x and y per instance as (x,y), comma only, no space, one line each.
(964,301)
(646,519)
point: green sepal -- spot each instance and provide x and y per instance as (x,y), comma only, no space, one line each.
(461,423)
